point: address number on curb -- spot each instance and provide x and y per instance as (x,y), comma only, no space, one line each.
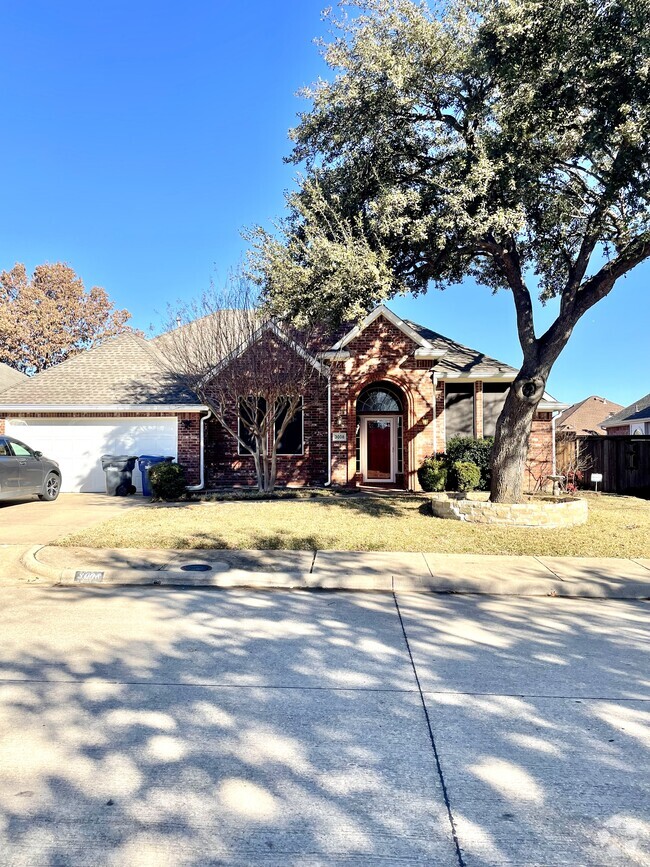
(89,577)
(339,437)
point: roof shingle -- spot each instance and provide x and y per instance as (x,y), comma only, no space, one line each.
(125,370)
(10,377)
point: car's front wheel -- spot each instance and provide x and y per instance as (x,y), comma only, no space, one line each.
(51,487)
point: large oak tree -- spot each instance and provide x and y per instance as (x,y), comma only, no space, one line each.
(506,140)
(50,316)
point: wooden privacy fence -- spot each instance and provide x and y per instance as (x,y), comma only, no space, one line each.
(623,461)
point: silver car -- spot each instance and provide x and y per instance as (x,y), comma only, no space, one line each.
(24,472)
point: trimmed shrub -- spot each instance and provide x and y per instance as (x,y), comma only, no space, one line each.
(433,473)
(479,452)
(467,474)
(167,481)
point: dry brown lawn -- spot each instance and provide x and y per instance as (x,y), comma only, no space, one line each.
(617,527)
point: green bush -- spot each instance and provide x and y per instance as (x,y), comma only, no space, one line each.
(479,452)
(467,475)
(167,481)
(433,473)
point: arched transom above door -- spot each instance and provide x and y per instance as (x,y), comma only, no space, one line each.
(379,398)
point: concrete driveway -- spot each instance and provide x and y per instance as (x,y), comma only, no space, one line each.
(32,522)
(165,726)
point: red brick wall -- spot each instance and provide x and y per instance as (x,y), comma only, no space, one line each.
(540,451)
(621,430)
(224,466)
(382,352)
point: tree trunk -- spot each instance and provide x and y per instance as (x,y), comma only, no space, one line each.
(510,450)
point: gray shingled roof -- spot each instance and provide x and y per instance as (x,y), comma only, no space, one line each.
(129,370)
(461,359)
(10,377)
(640,409)
(125,370)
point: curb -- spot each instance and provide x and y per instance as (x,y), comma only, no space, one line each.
(228,579)
(220,578)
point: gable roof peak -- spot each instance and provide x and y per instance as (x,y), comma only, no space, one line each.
(393,318)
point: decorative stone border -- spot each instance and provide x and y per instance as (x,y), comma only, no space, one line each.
(543,512)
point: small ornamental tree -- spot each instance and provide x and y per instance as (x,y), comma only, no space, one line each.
(253,372)
(504,140)
(50,316)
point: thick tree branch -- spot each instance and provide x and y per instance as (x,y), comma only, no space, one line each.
(593,290)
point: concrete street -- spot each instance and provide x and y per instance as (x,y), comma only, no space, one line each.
(187,726)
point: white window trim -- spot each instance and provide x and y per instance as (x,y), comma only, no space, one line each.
(240,453)
(301,453)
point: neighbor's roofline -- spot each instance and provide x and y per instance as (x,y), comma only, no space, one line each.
(624,421)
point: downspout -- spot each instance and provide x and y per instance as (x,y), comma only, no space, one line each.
(329,430)
(434,380)
(201,483)
(553,446)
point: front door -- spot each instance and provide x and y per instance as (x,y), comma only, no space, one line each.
(378,449)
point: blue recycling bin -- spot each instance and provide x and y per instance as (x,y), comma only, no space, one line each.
(146,461)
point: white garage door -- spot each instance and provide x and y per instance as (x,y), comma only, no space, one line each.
(77,445)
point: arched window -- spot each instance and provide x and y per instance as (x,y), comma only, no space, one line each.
(379,398)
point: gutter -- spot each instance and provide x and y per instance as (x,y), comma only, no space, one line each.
(553,417)
(99,408)
(201,484)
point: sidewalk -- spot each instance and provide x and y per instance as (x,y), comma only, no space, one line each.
(606,578)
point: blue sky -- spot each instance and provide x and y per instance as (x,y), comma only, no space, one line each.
(140,137)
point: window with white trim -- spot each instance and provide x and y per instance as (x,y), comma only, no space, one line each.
(245,419)
(293,438)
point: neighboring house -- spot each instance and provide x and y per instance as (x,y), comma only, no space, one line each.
(633,420)
(396,393)
(10,377)
(585,417)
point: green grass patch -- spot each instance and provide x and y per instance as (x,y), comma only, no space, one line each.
(617,527)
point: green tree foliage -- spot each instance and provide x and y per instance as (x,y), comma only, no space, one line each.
(507,140)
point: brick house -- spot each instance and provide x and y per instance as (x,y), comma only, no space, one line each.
(390,393)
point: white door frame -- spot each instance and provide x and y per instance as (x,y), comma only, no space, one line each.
(363,445)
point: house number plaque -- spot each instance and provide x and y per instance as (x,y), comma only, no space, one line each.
(339,436)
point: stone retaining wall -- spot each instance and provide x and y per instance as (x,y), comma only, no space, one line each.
(549,514)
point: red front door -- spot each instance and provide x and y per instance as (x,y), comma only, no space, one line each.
(378,444)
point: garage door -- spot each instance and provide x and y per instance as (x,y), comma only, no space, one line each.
(78,445)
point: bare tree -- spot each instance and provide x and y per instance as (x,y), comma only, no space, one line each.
(573,460)
(253,372)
